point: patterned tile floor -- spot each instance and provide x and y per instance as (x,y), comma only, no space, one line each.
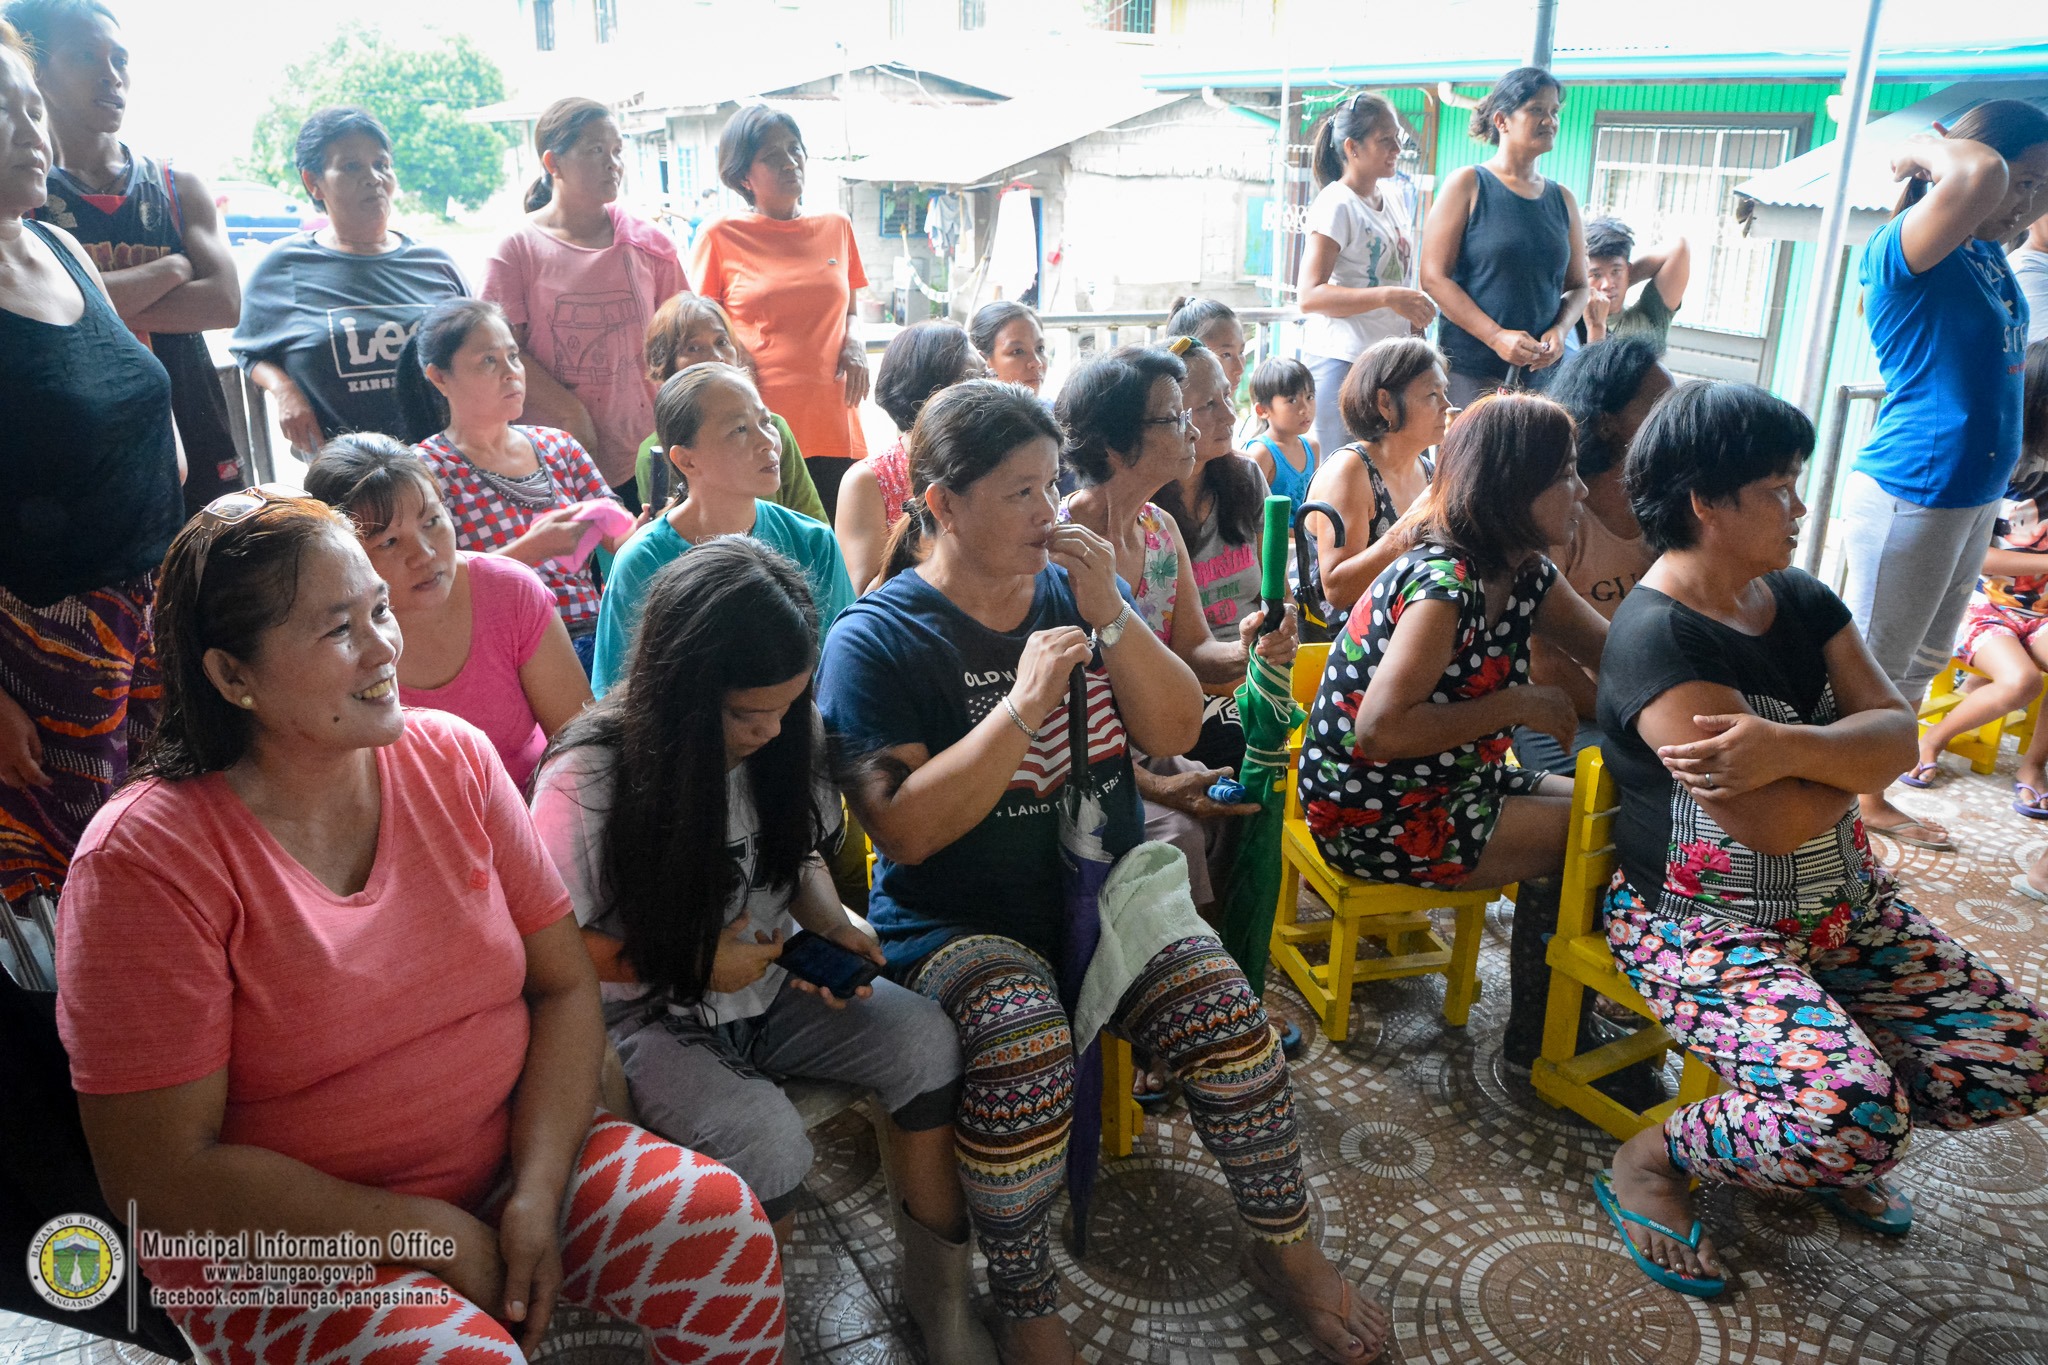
(1440,1180)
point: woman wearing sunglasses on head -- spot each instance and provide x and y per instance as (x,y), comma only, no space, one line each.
(91,501)
(317,974)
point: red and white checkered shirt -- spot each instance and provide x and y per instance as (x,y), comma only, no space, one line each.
(487,518)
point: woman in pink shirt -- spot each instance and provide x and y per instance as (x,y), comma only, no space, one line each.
(316,974)
(578,281)
(486,642)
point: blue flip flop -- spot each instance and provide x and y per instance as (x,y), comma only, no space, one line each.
(1700,1288)
(1895,1221)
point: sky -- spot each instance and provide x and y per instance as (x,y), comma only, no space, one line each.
(203,70)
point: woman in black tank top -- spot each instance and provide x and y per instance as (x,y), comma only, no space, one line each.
(88,504)
(1503,252)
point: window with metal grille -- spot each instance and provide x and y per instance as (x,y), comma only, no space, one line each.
(1123,16)
(973,15)
(607,15)
(544,25)
(1667,179)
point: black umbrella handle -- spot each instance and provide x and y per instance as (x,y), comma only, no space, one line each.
(1308,576)
(1077,725)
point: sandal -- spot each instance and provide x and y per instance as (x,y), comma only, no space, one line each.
(1914,778)
(2028,889)
(1895,1221)
(1148,1099)
(1287,1297)
(2028,802)
(1928,840)
(1703,1287)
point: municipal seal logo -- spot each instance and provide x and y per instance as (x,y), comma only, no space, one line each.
(75,1262)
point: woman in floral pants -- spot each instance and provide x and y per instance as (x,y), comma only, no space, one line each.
(1744,712)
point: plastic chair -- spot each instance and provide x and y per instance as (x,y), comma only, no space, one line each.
(1979,745)
(1397,916)
(1580,960)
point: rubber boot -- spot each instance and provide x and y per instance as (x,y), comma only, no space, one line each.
(936,1275)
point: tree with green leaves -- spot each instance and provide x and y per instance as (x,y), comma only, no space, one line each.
(419,93)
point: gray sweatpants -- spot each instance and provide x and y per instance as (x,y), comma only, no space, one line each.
(1911,569)
(713,1089)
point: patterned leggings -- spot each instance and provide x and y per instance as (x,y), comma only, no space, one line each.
(1191,1007)
(651,1232)
(1830,1055)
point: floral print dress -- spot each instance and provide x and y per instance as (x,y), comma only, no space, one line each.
(1418,821)
(1159,582)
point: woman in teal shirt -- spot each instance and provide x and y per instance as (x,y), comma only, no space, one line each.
(722,441)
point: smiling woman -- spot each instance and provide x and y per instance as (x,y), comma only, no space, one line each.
(439,1044)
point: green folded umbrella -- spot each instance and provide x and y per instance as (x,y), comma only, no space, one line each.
(1265,704)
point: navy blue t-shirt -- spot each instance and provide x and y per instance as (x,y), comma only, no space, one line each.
(905,666)
(1951,342)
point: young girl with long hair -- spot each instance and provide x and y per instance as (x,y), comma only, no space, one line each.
(687,812)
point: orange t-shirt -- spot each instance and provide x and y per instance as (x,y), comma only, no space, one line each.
(788,283)
(376,1037)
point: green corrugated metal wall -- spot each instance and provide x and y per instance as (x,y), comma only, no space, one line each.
(1572,163)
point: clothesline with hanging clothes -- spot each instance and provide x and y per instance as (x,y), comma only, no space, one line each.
(976,275)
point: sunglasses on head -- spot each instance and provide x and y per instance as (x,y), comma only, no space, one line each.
(230,508)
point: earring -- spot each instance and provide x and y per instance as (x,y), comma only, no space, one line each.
(248,703)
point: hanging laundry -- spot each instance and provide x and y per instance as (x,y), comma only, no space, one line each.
(1013,260)
(942,223)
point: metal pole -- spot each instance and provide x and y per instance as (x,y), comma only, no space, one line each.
(1822,484)
(1546,28)
(1824,313)
(1286,135)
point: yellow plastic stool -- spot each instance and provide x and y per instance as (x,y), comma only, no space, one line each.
(1397,916)
(1580,960)
(1979,745)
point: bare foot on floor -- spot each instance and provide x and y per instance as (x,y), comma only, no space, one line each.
(1648,1185)
(1035,1341)
(1346,1324)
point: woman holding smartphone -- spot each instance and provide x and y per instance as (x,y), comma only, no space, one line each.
(689,812)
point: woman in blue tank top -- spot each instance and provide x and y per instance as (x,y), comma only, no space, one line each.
(1949,325)
(1503,253)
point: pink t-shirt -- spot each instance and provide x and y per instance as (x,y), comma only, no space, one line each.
(376,1037)
(509,611)
(585,310)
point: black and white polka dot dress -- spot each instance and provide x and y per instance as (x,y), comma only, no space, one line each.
(1418,821)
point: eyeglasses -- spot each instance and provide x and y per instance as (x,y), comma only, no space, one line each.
(230,508)
(1183,419)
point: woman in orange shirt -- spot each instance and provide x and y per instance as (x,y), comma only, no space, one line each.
(787,280)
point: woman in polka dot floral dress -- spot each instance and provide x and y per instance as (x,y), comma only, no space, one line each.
(1404,773)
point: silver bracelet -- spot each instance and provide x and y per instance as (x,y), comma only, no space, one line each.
(1018,720)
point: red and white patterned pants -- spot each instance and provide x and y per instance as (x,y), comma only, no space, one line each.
(652,1233)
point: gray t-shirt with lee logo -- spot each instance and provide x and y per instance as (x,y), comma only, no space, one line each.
(336,322)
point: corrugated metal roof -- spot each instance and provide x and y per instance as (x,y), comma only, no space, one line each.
(962,144)
(1786,202)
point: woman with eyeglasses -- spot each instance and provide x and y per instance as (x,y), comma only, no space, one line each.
(317,974)
(91,503)
(1503,252)
(1130,437)
(1359,267)
(788,278)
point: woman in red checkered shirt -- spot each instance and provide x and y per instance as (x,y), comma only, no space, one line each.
(510,490)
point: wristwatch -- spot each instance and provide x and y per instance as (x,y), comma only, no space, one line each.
(1107,636)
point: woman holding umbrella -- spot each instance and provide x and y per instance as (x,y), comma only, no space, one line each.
(950,684)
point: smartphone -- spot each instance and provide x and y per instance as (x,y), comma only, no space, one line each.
(818,960)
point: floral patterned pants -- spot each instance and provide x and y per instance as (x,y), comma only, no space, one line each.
(1829,1055)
